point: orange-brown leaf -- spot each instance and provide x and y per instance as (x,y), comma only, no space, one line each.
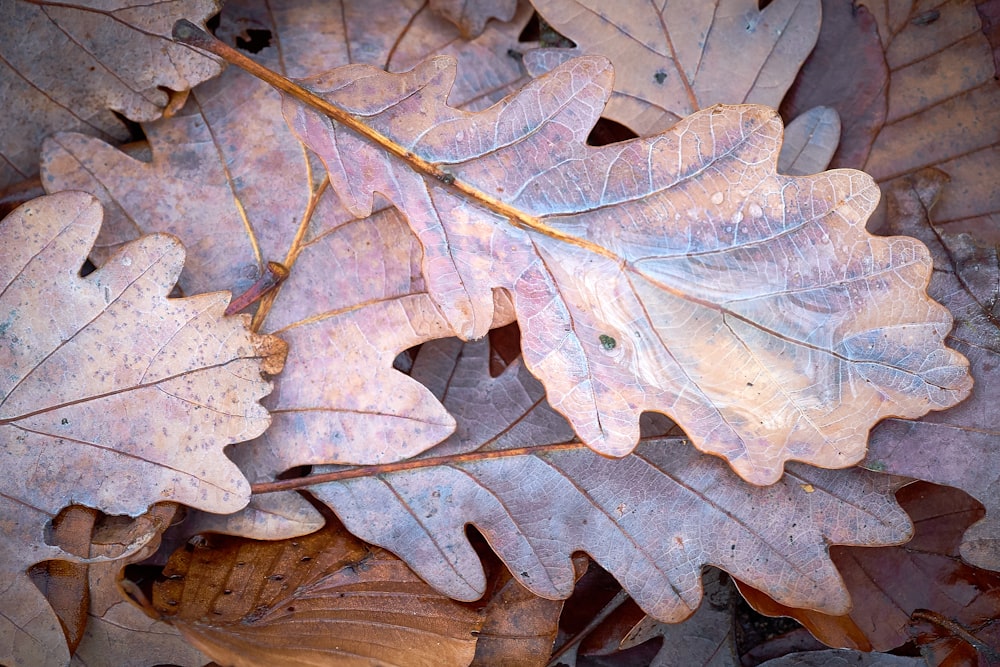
(320,599)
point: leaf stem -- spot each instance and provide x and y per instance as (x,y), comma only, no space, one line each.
(188,33)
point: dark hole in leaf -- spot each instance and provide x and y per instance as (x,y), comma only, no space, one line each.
(531,30)
(505,347)
(256,40)
(135,131)
(607,131)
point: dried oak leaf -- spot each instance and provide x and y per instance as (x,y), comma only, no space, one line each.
(959,448)
(889,584)
(677,273)
(70,66)
(114,396)
(317,600)
(651,519)
(674,58)
(231,181)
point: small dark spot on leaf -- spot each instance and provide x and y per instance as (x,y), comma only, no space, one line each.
(524,574)
(64,421)
(660,77)
(607,342)
(227,592)
(291,609)
(749,384)
(305,559)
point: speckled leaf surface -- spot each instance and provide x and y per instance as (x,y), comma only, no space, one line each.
(114,396)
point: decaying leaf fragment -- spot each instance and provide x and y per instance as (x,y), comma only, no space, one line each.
(677,273)
(113,396)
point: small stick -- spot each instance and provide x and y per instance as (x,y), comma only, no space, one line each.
(272,277)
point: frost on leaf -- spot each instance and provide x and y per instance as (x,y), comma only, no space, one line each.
(113,396)
(678,273)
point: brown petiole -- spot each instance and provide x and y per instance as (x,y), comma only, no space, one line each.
(273,275)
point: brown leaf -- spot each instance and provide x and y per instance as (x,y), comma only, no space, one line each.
(471,16)
(651,519)
(744,304)
(519,626)
(943,107)
(847,72)
(958,448)
(67,67)
(115,397)
(673,58)
(320,599)
(118,632)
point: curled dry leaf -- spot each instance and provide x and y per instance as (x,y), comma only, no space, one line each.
(67,66)
(677,273)
(118,632)
(674,58)
(114,396)
(320,599)
(651,519)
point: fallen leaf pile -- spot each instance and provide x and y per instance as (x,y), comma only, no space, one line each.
(542,302)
